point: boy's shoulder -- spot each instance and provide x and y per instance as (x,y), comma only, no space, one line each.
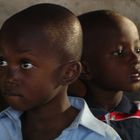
(10,124)
(86,126)
(125,118)
(126,110)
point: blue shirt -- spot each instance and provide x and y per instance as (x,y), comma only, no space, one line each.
(84,127)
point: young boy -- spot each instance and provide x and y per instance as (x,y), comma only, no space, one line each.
(111,61)
(40,49)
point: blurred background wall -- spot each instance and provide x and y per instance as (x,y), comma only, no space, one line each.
(129,8)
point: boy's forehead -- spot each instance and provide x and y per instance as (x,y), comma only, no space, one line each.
(44,31)
(25,47)
(34,51)
(27,35)
(27,42)
(38,39)
(103,39)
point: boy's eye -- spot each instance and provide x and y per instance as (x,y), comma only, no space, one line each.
(3,63)
(119,52)
(26,65)
(137,50)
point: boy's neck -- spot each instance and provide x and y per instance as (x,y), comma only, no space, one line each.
(104,98)
(3,104)
(50,119)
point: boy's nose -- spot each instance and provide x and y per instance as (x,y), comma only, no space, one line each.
(135,58)
(11,75)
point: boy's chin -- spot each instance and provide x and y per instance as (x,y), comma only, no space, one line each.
(135,87)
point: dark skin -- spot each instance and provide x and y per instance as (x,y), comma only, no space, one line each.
(44,124)
(35,86)
(22,92)
(3,104)
(112,64)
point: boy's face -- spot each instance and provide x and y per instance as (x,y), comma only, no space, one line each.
(29,73)
(115,63)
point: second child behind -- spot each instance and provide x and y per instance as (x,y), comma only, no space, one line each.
(111,61)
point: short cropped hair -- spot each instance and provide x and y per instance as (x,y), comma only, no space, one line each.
(57,23)
(94,24)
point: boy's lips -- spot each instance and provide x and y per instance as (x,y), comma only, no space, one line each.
(135,77)
(11,93)
(11,89)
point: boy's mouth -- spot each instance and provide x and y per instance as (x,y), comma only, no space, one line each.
(135,77)
(135,73)
(10,93)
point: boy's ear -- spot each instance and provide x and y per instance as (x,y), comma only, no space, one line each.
(70,72)
(85,74)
